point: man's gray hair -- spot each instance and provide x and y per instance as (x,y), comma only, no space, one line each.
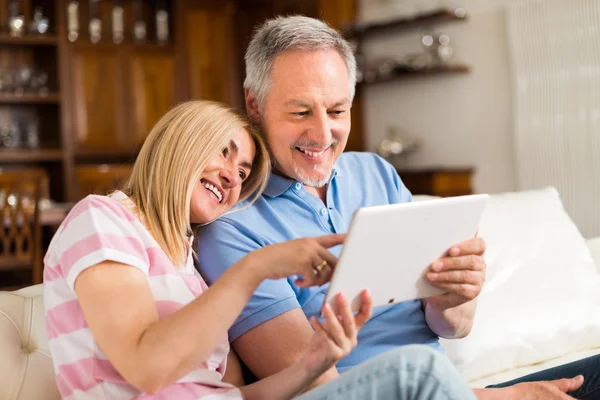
(295,32)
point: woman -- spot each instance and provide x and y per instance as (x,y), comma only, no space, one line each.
(128,316)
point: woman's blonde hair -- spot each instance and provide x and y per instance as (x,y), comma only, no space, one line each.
(170,163)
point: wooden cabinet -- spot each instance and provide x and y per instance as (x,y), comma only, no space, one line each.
(207,50)
(443,182)
(117,91)
(30,99)
(101,99)
(152,90)
(97,105)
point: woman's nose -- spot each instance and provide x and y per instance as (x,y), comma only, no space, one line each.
(230,178)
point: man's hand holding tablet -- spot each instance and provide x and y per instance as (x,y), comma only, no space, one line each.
(390,250)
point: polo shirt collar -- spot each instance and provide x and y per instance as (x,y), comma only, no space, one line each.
(278,184)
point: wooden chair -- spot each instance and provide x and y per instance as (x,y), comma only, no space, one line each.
(20,233)
(101,179)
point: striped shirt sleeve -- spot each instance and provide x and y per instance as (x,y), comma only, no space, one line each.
(99,229)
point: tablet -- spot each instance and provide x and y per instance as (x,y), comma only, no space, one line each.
(388,249)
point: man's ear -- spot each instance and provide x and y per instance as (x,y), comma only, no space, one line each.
(252,106)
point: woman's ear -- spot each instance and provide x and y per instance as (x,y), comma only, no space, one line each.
(252,107)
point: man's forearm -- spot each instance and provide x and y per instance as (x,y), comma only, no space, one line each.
(450,322)
(295,381)
(283,385)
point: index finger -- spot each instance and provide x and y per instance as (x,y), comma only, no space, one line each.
(366,309)
(328,241)
(475,246)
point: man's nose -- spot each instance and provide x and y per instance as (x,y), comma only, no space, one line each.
(229,177)
(321,130)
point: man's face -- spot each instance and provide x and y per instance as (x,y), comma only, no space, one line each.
(306,115)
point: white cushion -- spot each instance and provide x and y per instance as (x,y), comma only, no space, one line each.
(26,371)
(541,299)
(594,246)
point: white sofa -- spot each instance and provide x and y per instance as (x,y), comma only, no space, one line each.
(525,369)
(26,371)
(26,368)
(540,305)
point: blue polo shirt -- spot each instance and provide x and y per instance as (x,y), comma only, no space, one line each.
(287,211)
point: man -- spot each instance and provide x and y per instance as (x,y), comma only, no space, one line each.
(299,87)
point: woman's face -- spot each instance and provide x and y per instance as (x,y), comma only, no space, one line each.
(221,181)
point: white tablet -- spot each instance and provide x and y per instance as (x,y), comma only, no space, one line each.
(389,248)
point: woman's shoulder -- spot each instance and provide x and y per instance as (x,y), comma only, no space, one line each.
(96,229)
(110,207)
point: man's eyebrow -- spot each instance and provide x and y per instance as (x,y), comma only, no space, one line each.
(342,102)
(296,102)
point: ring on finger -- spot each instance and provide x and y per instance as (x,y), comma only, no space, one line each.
(320,267)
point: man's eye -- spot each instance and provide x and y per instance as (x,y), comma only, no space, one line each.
(337,112)
(301,113)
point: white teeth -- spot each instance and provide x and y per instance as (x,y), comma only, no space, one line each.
(313,153)
(213,189)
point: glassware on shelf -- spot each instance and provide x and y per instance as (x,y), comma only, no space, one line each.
(396,147)
(162,23)
(438,46)
(16,20)
(22,134)
(139,24)
(39,23)
(33,135)
(22,79)
(39,82)
(4,79)
(10,135)
(118,27)
(73,20)
(95,23)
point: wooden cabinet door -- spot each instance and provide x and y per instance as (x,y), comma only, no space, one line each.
(152,85)
(310,8)
(208,44)
(97,101)
(338,13)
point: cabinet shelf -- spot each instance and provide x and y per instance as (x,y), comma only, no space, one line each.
(105,155)
(34,40)
(29,98)
(404,74)
(107,45)
(436,16)
(29,155)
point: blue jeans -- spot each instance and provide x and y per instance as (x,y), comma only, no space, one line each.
(415,372)
(588,367)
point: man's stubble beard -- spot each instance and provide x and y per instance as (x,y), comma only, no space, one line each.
(300,175)
(311,182)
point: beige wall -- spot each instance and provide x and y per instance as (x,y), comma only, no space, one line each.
(461,119)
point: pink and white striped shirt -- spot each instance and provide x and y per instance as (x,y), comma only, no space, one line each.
(101,228)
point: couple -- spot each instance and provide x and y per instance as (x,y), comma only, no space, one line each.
(128,316)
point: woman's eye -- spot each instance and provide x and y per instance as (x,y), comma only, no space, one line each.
(225,152)
(243,175)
